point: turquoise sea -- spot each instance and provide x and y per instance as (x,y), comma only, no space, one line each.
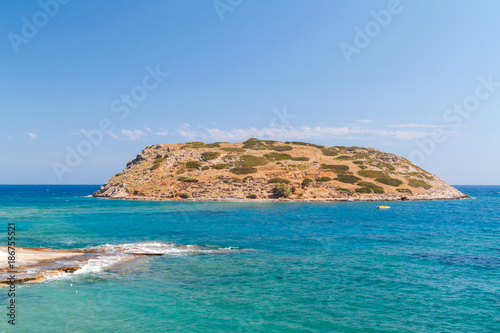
(284,267)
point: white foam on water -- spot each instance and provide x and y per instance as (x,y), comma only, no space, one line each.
(68,241)
(98,264)
(161,248)
(108,255)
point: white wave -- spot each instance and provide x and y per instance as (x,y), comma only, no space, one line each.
(108,255)
(160,248)
(68,241)
(98,264)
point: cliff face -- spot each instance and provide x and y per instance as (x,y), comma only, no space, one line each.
(253,170)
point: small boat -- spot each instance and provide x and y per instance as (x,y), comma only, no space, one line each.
(383,207)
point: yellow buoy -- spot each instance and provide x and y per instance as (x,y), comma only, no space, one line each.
(383,207)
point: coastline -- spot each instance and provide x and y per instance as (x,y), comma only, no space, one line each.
(35,264)
(275,200)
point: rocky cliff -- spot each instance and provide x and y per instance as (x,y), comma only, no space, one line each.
(272,170)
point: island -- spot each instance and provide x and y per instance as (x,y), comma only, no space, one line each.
(268,170)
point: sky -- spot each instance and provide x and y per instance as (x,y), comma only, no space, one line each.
(86,85)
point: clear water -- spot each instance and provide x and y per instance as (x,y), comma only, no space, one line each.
(326,267)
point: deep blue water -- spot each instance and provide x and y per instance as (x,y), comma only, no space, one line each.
(303,267)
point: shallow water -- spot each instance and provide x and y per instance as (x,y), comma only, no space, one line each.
(288,267)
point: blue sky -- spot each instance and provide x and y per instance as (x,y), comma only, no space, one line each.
(382,74)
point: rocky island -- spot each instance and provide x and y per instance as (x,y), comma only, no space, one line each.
(272,170)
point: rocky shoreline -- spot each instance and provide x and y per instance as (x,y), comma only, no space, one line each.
(35,265)
(277,200)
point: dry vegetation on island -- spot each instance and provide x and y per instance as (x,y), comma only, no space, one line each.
(272,170)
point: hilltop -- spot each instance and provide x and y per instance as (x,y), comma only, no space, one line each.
(272,170)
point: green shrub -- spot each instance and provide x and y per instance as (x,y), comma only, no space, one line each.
(377,189)
(199,144)
(293,189)
(389,181)
(251,196)
(277,156)
(306,144)
(385,165)
(306,182)
(251,161)
(358,162)
(418,183)
(210,155)
(342,189)
(193,164)
(226,181)
(212,145)
(278,180)
(338,169)
(330,151)
(350,179)
(221,166)
(360,155)
(243,170)
(206,167)
(159,160)
(418,174)
(344,158)
(240,150)
(363,190)
(372,173)
(195,144)
(255,144)
(300,158)
(404,190)
(281,190)
(282,148)
(367,184)
(187,180)
(323,179)
(155,166)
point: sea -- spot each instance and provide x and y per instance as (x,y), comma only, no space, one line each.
(422,266)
